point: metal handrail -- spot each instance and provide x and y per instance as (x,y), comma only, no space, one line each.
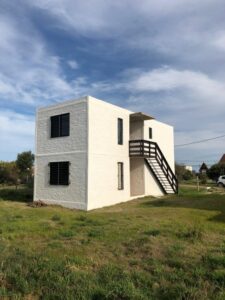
(149,149)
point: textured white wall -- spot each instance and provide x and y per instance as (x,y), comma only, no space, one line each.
(151,185)
(104,153)
(137,177)
(163,135)
(72,148)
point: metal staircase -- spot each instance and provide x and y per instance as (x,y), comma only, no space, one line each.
(156,162)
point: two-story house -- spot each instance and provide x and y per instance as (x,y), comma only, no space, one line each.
(90,154)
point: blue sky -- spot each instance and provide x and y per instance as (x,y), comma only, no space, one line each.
(162,57)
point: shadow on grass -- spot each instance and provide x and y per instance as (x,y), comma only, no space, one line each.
(212,202)
(13,194)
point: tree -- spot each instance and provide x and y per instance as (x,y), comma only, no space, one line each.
(25,162)
(179,170)
(9,173)
(188,175)
(216,170)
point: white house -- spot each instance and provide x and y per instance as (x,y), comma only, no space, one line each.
(90,154)
(188,168)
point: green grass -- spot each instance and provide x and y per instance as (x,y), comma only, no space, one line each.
(167,248)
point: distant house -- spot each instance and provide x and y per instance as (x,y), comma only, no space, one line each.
(222,160)
(188,168)
(203,169)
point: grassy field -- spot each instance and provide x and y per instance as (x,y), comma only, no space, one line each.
(168,248)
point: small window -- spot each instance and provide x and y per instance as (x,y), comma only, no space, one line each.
(60,125)
(59,173)
(150,133)
(120,131)
(120,176)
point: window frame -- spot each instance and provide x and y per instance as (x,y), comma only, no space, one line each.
(58,119)
(119,131)
(120,175)
(59,169)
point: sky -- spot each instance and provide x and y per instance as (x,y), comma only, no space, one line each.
(165,58)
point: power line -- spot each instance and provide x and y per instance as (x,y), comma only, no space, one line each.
(200,141)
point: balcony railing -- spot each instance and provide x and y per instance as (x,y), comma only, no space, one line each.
(142,148)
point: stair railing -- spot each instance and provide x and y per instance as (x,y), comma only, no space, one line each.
(149,149)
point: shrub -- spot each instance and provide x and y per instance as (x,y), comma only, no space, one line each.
(216,170)
(203,178)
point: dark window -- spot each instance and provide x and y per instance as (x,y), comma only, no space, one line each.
(120,131)
(59,173)
(150,133)
(60,125)
(120,176)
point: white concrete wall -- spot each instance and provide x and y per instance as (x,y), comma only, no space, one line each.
(72,148)
(137,177)
(162,134)
(151,185)
(104,153)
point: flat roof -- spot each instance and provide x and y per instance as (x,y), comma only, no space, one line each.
(140,116)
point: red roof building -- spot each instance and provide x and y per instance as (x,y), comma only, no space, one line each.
(222,160)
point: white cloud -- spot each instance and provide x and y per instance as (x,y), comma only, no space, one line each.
(186,35)
(29,73)
(219,41)
(73,64)
(169,79)
(16,133)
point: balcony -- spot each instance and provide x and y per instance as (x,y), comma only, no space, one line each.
(142,148)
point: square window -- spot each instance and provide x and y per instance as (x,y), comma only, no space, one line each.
(59,173)
(60,125)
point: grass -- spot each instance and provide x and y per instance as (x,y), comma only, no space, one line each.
(149,248)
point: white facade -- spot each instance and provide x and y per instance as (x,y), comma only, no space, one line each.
(93,152)
(188,168)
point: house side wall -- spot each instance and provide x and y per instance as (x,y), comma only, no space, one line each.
(137,177)
(163,136)
(72,148)
(151,185)
(104,154)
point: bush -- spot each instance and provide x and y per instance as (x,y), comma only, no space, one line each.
(203,178)
(23,194)
(216,170)
(188,175)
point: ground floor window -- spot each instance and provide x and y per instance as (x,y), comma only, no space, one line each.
(59,173)
(120,176)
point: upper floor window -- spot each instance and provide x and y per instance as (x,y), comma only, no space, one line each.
(150,133)
(60,125)
(120,131)
(59,173)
